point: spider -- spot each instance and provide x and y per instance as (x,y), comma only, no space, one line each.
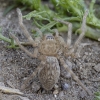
(51,49)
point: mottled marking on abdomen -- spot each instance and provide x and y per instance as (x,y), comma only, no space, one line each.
(50,73)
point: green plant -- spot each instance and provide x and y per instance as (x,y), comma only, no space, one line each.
(64,8)
(97,96)
(67,10)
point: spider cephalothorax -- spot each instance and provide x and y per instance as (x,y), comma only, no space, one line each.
(49,46)
(51,50)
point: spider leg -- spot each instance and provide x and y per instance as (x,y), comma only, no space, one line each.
(57,33)
(37,41)
(29,79)
(59,38)
(40,33)
(83,29)
(74,76)
(26,33)
(21,46)
(69,30)
(27,82)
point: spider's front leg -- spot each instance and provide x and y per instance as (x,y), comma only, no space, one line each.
(21,46)
(73,75)
(37,42)
(24,29)
(67,47)
(26,33)
(69,31)
(83,30)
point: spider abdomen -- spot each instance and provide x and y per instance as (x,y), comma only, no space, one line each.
(50,73)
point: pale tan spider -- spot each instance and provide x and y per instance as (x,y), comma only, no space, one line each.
(51,50)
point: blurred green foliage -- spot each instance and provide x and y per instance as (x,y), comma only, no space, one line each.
(67,10)
(97,96)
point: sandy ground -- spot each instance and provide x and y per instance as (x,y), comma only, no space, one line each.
(15,65)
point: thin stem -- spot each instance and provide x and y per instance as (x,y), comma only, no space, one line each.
(91,6)
(5,38)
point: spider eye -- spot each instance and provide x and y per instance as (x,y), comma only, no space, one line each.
(49,37)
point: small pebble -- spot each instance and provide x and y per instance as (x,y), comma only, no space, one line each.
(65,86)
(97,67)
(56,86)
(24,98)
(55,96)
(35,87)
(2,84)
(9,16)
(55,92)
(83,94)
(61,94)
(86,53)
(10,84)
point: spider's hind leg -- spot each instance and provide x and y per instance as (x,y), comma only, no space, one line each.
(27,82)
(74,76)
